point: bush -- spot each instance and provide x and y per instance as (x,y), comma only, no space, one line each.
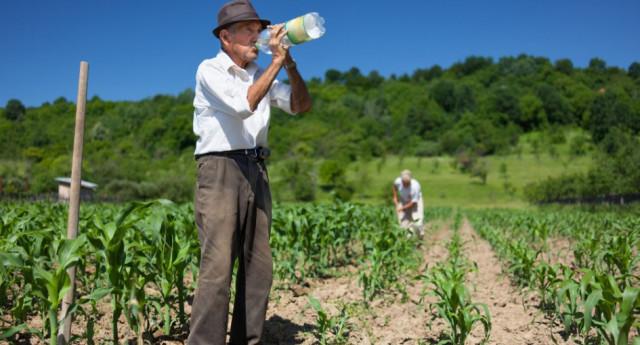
(450,142)
(427,149)
(175,188)
(124,190)
(297,177)
(578,145)
(556,135)
(331,172)
(303,190)
(343,191)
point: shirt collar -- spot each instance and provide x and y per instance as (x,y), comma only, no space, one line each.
(228,64)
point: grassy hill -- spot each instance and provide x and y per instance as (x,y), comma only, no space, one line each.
(444,185)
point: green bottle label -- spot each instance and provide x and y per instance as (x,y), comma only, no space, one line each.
(296,32)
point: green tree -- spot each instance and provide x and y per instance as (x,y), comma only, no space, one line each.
(580,98)
(331,172)
(443,92)
(427,74)
(608,111)
(333,76)
(533,114)
(555,107)
(375,79)
(14,110)
(634,70)
(297,173)
(597,64)
(354,78)
(426,119)
(506,101)
(450,141)
(564,66)
(470,65)
(465,98)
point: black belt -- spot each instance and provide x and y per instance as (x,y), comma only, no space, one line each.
(259,152)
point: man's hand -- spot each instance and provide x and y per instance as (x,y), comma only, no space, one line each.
(277,50)
(300,98)
(259,89)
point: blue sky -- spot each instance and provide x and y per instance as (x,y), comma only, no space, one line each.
(141,48)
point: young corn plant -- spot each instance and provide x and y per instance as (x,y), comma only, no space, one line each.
(388,257)
(447,272)
(612,311)
(21,296)
(620,258)
(53,283)
(170,260)
(522,262)
(288,232)
(569,307)
(338,325)
(546,280)
(587,248)
(118,256)
(139,302)
(27,240)
(455,307)
(615,328)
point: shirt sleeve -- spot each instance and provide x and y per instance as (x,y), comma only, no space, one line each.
(280,96)
(216,89)
(415,191)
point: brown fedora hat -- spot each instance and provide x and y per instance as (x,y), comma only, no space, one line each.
(236,11)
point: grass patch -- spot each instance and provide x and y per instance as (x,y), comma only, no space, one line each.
(443,185)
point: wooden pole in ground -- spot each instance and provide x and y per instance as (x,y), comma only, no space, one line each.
(74,197)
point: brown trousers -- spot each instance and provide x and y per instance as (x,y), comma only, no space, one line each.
(233,216)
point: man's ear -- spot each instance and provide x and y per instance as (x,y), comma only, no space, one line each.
(224,35)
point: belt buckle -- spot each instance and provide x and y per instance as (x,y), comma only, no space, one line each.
(263,152)
(251,152)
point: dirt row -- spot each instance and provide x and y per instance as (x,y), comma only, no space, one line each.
(392,322)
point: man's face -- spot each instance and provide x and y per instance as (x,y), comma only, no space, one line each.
(241,38)
(406,182)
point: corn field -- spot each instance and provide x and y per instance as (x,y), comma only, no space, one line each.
(141,260)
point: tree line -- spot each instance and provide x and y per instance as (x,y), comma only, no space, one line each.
(476,107)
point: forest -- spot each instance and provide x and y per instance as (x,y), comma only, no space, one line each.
(478,107)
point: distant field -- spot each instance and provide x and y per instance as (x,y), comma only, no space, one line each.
(442,185)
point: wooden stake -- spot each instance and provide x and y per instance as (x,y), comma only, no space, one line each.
(74,196)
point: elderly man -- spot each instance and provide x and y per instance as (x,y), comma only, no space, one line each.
(232,205)
(409,205)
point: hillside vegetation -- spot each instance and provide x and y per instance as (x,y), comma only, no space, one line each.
(477,132)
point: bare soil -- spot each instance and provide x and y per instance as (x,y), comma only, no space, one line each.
(393,322)
(515,320)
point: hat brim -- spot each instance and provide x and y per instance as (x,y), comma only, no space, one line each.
(216,31)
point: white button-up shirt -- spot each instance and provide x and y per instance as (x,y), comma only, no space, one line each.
(222,118)
(408,194)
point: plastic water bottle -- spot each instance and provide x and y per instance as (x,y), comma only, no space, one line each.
(302,29)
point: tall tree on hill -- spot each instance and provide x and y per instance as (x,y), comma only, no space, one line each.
(607,112)
(634,70)
(14,110)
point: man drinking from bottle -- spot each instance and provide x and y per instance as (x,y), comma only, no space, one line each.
(232,205)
